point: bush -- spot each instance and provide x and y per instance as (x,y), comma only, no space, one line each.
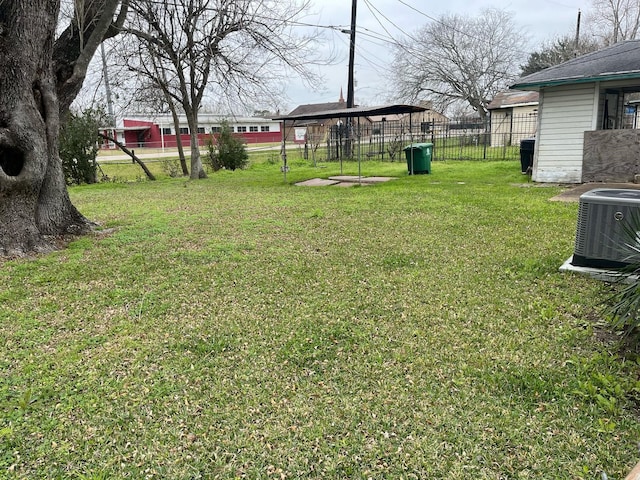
(79,147)
(624,304)
(227,150)
(171,166)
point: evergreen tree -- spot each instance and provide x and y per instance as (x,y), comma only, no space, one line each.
(227,150)
(79,147)
(559,51)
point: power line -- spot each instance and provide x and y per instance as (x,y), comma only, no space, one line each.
(439,21)
(418,11)
(364,53)
(262,17)
(389,39)
(393,41)
(373,11)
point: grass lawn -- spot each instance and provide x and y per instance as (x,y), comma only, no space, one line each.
(243,327)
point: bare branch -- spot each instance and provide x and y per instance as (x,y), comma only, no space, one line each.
(460,58)
(116,26)
(133,156)
(95,39)
(75,46)
(615,20)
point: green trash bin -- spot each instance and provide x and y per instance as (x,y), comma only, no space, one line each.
(419,157)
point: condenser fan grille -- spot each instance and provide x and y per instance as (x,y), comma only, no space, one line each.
(600,232)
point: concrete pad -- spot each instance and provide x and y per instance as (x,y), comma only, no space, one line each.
(343,181)
(346,178)
(574,192)
(317,182)
(356,179)
(596,273)
(378,179)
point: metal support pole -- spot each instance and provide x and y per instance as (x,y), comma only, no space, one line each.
(411,139)
(283,150)
(382,129)
(359,160)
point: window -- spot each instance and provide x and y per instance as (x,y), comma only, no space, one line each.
(166,131)
(264,128)
(241,129)
(184,130)
(216,129)
(201,130)
(253,129)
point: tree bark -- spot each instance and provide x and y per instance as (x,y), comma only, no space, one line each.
(35,209)
(28,121)
(197,171)
(176,126)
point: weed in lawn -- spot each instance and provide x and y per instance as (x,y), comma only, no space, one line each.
(317,213)
(26,400)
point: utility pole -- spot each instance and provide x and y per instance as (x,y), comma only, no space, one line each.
(575,52)
(352,54)
(107,87)
(350,82)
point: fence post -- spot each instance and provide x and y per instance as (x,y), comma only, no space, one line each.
(487,123)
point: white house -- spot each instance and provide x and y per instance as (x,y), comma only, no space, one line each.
(514,117)
(583,134)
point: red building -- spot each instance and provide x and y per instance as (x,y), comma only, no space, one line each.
(159,131)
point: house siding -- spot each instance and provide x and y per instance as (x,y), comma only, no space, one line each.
(566,113)
(511,125)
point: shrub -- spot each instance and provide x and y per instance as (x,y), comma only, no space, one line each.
(171,166)
(227,150)
(79,147)
(624,304)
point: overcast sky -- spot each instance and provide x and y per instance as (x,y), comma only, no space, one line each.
(541,20)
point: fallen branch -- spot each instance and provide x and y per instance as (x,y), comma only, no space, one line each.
(130,153)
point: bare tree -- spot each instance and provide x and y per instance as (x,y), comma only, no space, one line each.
(615,20)
(459,59)
(153,92)
(40,75)
(240,46)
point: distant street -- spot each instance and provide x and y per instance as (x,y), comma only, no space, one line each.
(106,156)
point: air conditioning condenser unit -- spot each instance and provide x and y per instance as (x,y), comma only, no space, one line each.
(605,218)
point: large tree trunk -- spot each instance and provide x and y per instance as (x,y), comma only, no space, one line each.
(29,124)
(35,209)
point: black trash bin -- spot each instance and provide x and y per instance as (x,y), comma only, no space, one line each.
(527,147)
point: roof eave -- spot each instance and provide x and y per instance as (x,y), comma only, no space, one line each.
(514,105)
(536,86)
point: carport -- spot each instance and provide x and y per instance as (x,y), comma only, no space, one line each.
(349,114)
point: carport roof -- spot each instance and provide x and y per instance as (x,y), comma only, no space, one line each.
(355,112)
